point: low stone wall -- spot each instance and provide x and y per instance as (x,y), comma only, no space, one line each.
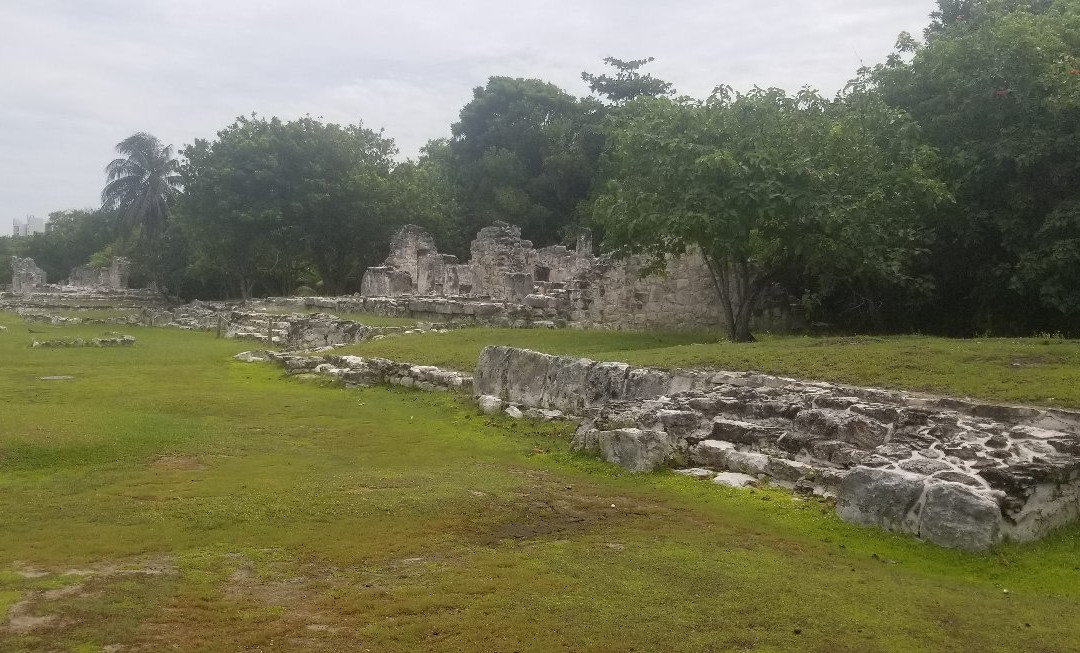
(71,297)
(108,340)
(959,473)
(451,311)
(297,331)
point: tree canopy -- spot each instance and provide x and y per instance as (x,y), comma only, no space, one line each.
(525,151)
(268,198)
(937,192)
(769,188)
(142,183)
(996,89)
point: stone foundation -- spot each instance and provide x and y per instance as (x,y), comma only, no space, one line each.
(958,473)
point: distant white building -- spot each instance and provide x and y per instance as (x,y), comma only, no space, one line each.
(30,227)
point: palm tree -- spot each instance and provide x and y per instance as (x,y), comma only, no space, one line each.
(142,183)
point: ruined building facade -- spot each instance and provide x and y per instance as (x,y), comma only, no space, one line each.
(114,277)
(571,283)
(26,276)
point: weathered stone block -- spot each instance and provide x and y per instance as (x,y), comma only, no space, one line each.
(959,517)
(490,375)
(880,497)
(635,449)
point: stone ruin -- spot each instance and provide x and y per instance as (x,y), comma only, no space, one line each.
(114,276)
(26,276)
(554,283)
(958,473)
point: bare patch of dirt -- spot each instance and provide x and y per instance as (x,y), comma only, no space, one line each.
(178,462)
(24,616)
(552,510)
(21,621)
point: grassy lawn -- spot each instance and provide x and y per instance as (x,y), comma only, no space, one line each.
(168,498)
(1017,370)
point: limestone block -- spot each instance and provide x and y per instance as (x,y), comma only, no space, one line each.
(711,453)
(645,383)
(856,429)
(566,381)
(880,497)
(959,517)
(605,382)
(786,470)
(635,449)
(746,462)
(735,479)
(743,432)
(489,377)
(526,376)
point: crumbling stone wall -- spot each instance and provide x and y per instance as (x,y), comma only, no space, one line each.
(567,285)
(26,276)
(114,277)
(958,473)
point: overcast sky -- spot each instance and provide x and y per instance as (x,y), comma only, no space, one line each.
(77,77)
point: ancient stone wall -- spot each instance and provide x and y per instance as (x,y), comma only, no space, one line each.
(958,473)
(114,277)
(567,285)
(26,276)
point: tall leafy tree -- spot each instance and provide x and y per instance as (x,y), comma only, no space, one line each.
(525,151)
(627,83)
(768,187)
(142,183)
(995,85)
(73,238)
(267,200)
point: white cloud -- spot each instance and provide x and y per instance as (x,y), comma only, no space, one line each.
(78,77)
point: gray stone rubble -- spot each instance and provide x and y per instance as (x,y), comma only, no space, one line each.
(108,340)
(366,371)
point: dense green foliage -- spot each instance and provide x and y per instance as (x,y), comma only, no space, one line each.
(938,192)
(771,189)
(74,238)
(142,183)
(268,199)
(996,89)
(224,508)
(524,151)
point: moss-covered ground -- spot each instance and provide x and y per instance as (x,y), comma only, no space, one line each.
(168,498)
(1044,371)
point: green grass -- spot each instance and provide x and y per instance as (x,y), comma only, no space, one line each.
(1043,371)
(168,498)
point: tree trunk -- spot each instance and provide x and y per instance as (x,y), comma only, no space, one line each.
(739,292)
